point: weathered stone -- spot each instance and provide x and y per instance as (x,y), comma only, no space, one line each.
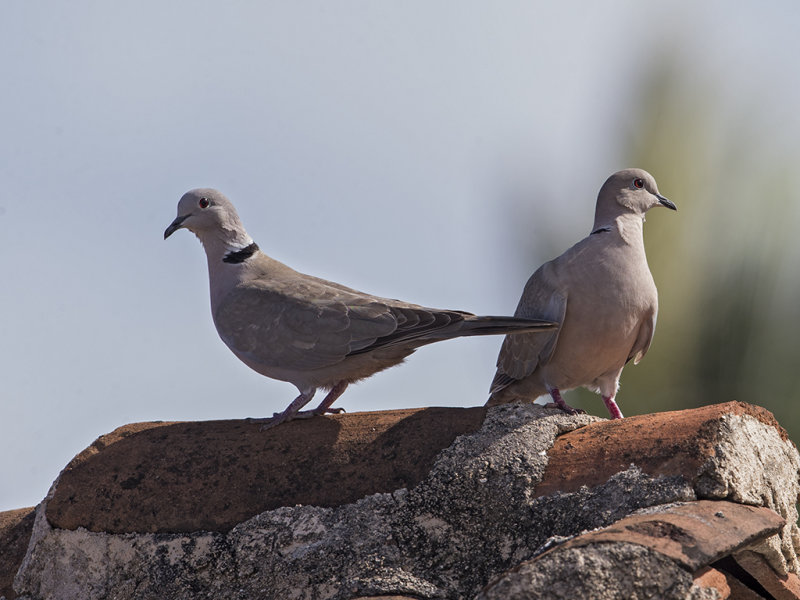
(691,535)
(602,571)
(753,463)
(468,505)
(780,586)
(15,532)
(732,451)
(668,443)
(183,477)
(716,580)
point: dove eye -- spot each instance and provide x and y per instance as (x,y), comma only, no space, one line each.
(203,203)
(638,183)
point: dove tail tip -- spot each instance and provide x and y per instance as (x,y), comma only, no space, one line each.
(505,325)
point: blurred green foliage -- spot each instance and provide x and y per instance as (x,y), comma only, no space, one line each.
(727,264)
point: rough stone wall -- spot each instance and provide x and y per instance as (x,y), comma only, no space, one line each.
(476,515)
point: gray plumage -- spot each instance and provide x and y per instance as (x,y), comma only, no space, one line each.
(601,293)
(305,330)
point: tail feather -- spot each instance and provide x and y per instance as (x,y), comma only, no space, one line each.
(452,324)
(500,325)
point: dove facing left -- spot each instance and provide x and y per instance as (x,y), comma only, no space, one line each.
(308,331)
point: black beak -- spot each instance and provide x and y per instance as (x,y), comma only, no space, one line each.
(174,226)
(664,202)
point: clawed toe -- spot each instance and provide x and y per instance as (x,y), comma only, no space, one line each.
(293,411)
(566,408)
(305,414)
(266,422)
(558,402)
(276,419)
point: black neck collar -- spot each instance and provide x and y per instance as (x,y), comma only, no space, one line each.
(242,255)
(600,230)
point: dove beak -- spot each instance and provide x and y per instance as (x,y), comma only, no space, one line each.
(664,202)
(174,226)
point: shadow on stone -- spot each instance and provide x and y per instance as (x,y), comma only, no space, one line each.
(183,477)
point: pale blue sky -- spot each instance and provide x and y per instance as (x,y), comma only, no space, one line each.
(365,142)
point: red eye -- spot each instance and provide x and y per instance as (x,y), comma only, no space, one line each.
(203,203)
(638,183)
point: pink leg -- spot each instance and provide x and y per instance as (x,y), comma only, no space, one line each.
(333,395)
(291,412)
(612,407)
(559,402)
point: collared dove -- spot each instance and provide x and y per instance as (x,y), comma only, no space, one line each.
(304,330)
(602,294)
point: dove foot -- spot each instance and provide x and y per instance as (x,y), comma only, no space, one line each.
(329,411)
(292,411)
(307,414)
(325,406)
(570,410)
(303,414)
(278,418)
(558,402)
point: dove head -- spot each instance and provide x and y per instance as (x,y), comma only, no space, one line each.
(632,191)
(212,218)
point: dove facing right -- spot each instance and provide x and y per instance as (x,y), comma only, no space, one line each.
(601,293)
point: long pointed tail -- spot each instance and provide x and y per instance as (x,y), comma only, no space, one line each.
(500,325)
(453,324)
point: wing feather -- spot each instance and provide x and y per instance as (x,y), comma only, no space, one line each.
(522,353)
(309,324)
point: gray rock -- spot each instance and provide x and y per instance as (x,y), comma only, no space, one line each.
(647,574)
(474,517)
(751,464)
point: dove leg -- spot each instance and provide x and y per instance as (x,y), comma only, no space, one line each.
(333,395)
(612,407)
(291,411)
(559,403)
